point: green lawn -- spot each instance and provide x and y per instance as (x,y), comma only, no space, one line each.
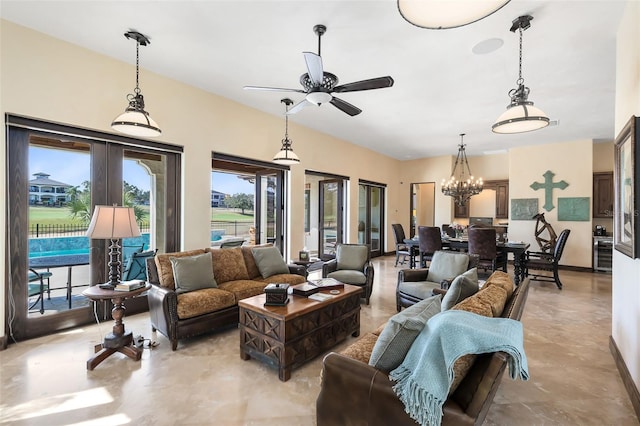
(62,215)
(59,216)
(231,215)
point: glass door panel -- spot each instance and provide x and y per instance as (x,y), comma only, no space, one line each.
(59,212)
(330,226)
(371,217)
(269,208)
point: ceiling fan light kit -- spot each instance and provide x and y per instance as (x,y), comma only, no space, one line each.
(135,121)
(319,85)
(445,14)
(521,115)
(462,188)
(286,156)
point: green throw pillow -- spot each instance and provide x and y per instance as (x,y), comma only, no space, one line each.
(193,272)
(269,261)
(463,286)
(400,332)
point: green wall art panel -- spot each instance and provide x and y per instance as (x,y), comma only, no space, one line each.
(574,209)
(524,208)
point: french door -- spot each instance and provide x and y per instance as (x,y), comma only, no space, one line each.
(371,216)
(57,175)
(331,215)
(270,208)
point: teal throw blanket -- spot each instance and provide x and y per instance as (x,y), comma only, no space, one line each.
(425,376)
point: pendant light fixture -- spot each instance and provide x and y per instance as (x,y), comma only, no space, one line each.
(461,188)
(286,155)
(445,14)
(521,116)
(135,121)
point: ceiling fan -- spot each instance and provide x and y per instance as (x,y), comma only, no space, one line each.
(319,85)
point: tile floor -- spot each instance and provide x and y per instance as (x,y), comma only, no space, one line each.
(44,381)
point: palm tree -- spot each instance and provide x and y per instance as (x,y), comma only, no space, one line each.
(80,204)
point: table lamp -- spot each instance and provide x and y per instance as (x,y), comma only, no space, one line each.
(113,223)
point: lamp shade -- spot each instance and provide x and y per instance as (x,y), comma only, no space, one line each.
(444,14)
(113,222)
(287,157)
(524,117)
(136,123)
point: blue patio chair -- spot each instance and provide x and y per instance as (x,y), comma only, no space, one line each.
(37,287)
(135,267)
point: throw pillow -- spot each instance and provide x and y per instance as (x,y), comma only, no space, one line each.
(400,332)
(446,265)
(193,272)
(463,286)
(270,261)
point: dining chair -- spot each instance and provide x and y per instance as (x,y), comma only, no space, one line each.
(401,248)
(449,231)
(429,241)
(537,260)
(482,241)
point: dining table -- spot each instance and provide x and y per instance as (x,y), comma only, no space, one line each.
(61,261)
(462,244)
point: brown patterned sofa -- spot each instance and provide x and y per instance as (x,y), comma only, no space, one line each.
(355,393)
(182,315)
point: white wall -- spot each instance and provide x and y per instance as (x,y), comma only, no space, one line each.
(625,327)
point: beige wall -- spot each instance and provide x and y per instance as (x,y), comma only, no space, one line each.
(527,165)
(56,81)
(625,327)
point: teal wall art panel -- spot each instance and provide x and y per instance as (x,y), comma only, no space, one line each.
(524,208)
(574,209)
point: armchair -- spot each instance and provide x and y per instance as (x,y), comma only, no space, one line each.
(352,265)
(415,285)
(546,261)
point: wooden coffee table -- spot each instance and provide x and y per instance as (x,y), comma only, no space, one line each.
(286,337)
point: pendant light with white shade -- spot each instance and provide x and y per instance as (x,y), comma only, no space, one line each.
(286,156)
(521,115)
(135,121)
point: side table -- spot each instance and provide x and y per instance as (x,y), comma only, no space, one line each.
(306,264)
(118,340)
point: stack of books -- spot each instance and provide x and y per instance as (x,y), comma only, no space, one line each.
(327,284)
(129,285)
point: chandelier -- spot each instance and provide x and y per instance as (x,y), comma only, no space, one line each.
(521,116)
(461,188)
(135,121)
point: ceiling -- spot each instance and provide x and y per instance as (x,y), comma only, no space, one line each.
(441,87)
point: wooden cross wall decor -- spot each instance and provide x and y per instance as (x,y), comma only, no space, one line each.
(548,186)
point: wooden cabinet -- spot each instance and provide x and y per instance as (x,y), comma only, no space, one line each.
(603,195)
(502,200)
(461,211)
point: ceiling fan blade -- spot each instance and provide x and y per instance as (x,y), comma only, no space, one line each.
(373,83)
(314,67)
(297,107)
(273,89)
(345,106)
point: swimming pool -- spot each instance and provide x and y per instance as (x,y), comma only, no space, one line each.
(59,246)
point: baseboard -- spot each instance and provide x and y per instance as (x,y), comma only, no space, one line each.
(632,390)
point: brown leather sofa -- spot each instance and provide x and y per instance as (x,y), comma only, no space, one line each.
(355,393)
(182,315)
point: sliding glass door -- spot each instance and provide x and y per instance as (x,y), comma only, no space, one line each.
(371,217)
(57,175)
(331,216)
